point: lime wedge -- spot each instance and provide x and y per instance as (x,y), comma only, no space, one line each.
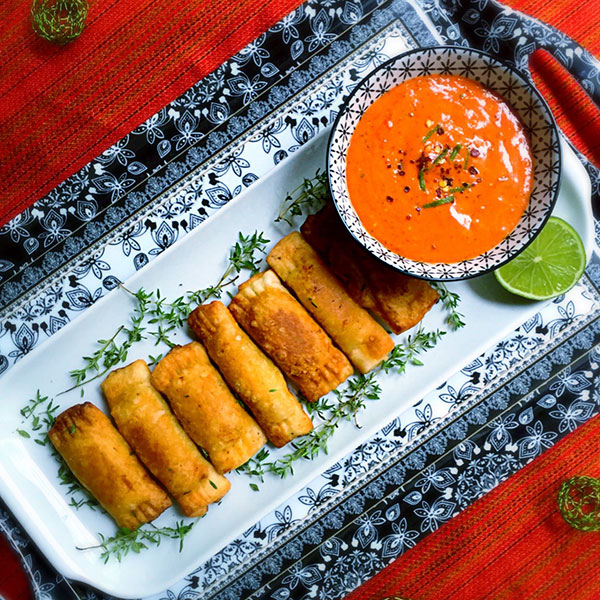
(549,266)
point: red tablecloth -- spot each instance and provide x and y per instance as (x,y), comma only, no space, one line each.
(61,107)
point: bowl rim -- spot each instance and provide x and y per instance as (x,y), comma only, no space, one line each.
(503,63)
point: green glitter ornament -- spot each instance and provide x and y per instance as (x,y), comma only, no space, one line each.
(579,503)
(59,21)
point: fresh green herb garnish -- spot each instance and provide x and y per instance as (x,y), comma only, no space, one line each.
(343,407)
(125,540)
(460,189)
(41,413)
(440,157)
(450,300)
(422,180)
(455,151)
(154,316)
(439,202)
(431,132)
(311,194)
(406,354)
(468,153)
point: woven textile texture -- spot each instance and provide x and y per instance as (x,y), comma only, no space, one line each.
(578,117)
(537,555)
(61,107)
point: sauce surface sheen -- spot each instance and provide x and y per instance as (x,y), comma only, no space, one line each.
(439,169)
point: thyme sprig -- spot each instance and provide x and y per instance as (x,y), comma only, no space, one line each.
(245,255)
(407,353)
(450,300)
(343,406)
(311,194)
(153,315)
(125,540)
(112,352)
(41,412)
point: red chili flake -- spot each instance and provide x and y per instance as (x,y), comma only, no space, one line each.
(438,192)
(473,170)
(475,152)
(408,217)
(389,198)
(407,189)
(389,166)
(412,162)
(401,173)
(440,130)
(478,180)
(418,209)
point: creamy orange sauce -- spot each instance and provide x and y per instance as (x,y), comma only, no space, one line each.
(439,169)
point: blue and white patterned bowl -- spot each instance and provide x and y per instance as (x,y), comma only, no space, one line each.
(496,76)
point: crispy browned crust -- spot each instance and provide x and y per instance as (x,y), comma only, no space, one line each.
(286,332)
(205,407)
(147,423)
(104,463)
(399,300)
(351,327)
(253,376)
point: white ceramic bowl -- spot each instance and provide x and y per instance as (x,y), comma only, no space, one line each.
(525,101)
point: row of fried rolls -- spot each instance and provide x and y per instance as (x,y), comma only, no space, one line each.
(206,412)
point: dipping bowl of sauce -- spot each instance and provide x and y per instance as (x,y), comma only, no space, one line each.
(444,163)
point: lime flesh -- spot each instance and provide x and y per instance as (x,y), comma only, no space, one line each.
(549,266)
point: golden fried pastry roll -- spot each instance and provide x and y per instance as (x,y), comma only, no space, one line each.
(399,300)
(357,334)
(104,463)
(147,423)
(206,408)
(257,381)
(276,321)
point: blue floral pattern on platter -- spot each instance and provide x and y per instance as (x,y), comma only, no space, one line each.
(354,519)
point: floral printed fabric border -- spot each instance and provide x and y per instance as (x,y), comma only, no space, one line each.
(356,507)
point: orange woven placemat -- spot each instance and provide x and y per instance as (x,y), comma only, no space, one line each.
(578,117)
(61,107)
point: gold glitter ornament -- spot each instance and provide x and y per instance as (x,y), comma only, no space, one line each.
(59,21)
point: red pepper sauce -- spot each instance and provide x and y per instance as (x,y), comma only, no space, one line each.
(439,169)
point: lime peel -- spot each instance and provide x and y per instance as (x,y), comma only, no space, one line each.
(549,266)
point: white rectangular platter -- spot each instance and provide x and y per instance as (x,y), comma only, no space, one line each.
(28,474)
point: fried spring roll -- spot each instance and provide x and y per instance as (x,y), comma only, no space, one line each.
(259,383)
(397,299)
(276,321)
(206,408)
(104,463)
(147,423)
(357,334)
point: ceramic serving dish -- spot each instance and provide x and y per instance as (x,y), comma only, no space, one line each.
(497,76)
